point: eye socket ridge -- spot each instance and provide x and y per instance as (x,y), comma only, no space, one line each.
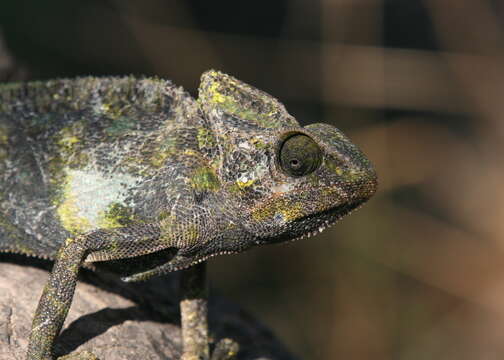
(300,155)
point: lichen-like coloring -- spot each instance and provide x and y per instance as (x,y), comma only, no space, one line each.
(114,169)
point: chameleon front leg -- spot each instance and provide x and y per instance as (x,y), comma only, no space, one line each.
(193,311)
(55,301)
(57,296)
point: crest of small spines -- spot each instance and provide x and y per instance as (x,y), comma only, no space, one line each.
(66,95)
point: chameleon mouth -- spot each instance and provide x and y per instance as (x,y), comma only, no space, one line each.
(316,223)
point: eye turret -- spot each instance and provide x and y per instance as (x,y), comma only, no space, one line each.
(300,155)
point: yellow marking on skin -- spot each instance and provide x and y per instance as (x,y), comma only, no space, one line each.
(289,211)
(4,135)
(243,184)
(216,96)
(68,213)
(67,137)
(108,222)
(204,138)
(111,110)
(294,212)
(258,143)
(116,215)
(191,152)
(68,141)
(329,192)
(205,178)
(69,240)
(353,175)
(159,158)
(334,167)
(190,233)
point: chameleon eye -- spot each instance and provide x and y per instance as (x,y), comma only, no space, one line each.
(300,155)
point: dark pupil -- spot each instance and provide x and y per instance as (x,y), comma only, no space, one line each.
(300,155)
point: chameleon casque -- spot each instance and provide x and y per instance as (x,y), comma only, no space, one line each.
(137,173)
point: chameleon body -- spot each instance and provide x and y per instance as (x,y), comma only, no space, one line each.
(137,173)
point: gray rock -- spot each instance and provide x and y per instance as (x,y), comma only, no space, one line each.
(116,320)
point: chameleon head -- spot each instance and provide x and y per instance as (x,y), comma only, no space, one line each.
(283,181)
(317,176)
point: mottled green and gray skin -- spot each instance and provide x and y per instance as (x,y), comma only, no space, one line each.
(138,174)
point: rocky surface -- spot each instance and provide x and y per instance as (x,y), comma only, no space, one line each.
(117,320)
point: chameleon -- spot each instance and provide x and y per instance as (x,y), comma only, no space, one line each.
(138,174)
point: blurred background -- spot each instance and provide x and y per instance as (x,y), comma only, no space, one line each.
(417,273)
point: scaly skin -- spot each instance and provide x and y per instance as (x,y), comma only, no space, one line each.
(137,173)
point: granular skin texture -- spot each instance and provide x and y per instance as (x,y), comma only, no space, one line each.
(138,174)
